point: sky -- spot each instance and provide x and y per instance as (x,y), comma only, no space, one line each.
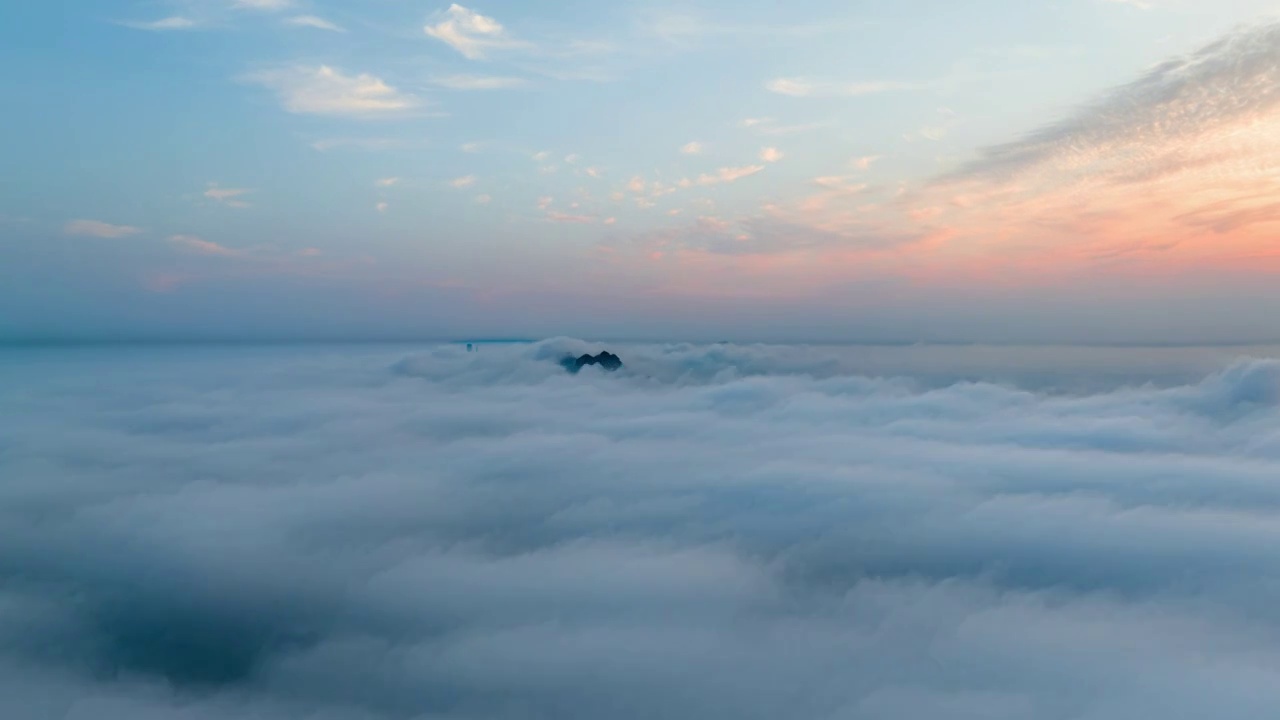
(1078,171)
(367,532)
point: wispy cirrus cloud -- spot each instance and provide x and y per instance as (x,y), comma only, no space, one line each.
(315,22)
(1188,154)
(470,33)
(770,126)
(262,5)
(569,219)
(692,148)
(227,196)
(387,182)
(366,143)
(201,246)
(1176,172)
(807,87)
(164,24)
(99,229)
(1140,4)
(465,181)
(479,82)
(1234,80)
(728,175)
(324,90)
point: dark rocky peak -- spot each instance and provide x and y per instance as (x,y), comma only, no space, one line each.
(606,360)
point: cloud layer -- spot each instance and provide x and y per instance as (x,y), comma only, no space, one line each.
(732,531)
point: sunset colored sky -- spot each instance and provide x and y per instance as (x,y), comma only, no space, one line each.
(920,170)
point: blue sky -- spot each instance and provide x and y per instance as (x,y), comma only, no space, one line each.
(394,168)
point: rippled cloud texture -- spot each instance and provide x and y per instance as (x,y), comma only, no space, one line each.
(722,531)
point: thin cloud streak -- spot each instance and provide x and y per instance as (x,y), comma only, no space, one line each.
(315,22)
(163,24)
(202,247)
(227,196)
(99,229)
(804,87)
(479,82)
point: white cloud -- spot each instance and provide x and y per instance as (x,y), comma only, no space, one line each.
(545,201)
(324,90)
(312,21)
(479,82)
(659,188)
(771,154)
(201,246)
(97,228)
(770,126)
(865,162)
(163,24)
(387,181)
(471,147)
(484,199)
(714,224)
(692,148)
(637,185)
(541,156)
(381,207)
(593,172)
(559,217)
(1140,4)
(470,33)
(327,144)
(790,86)
(227,196)
(842,183)
(610,220)
(572,158)
(923,544)
(802,87)
(464,181)
(729,174)
(263,5)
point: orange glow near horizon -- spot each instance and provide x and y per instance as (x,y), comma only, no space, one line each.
(1191,187)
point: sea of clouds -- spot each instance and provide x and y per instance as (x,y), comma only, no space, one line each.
(720,531)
